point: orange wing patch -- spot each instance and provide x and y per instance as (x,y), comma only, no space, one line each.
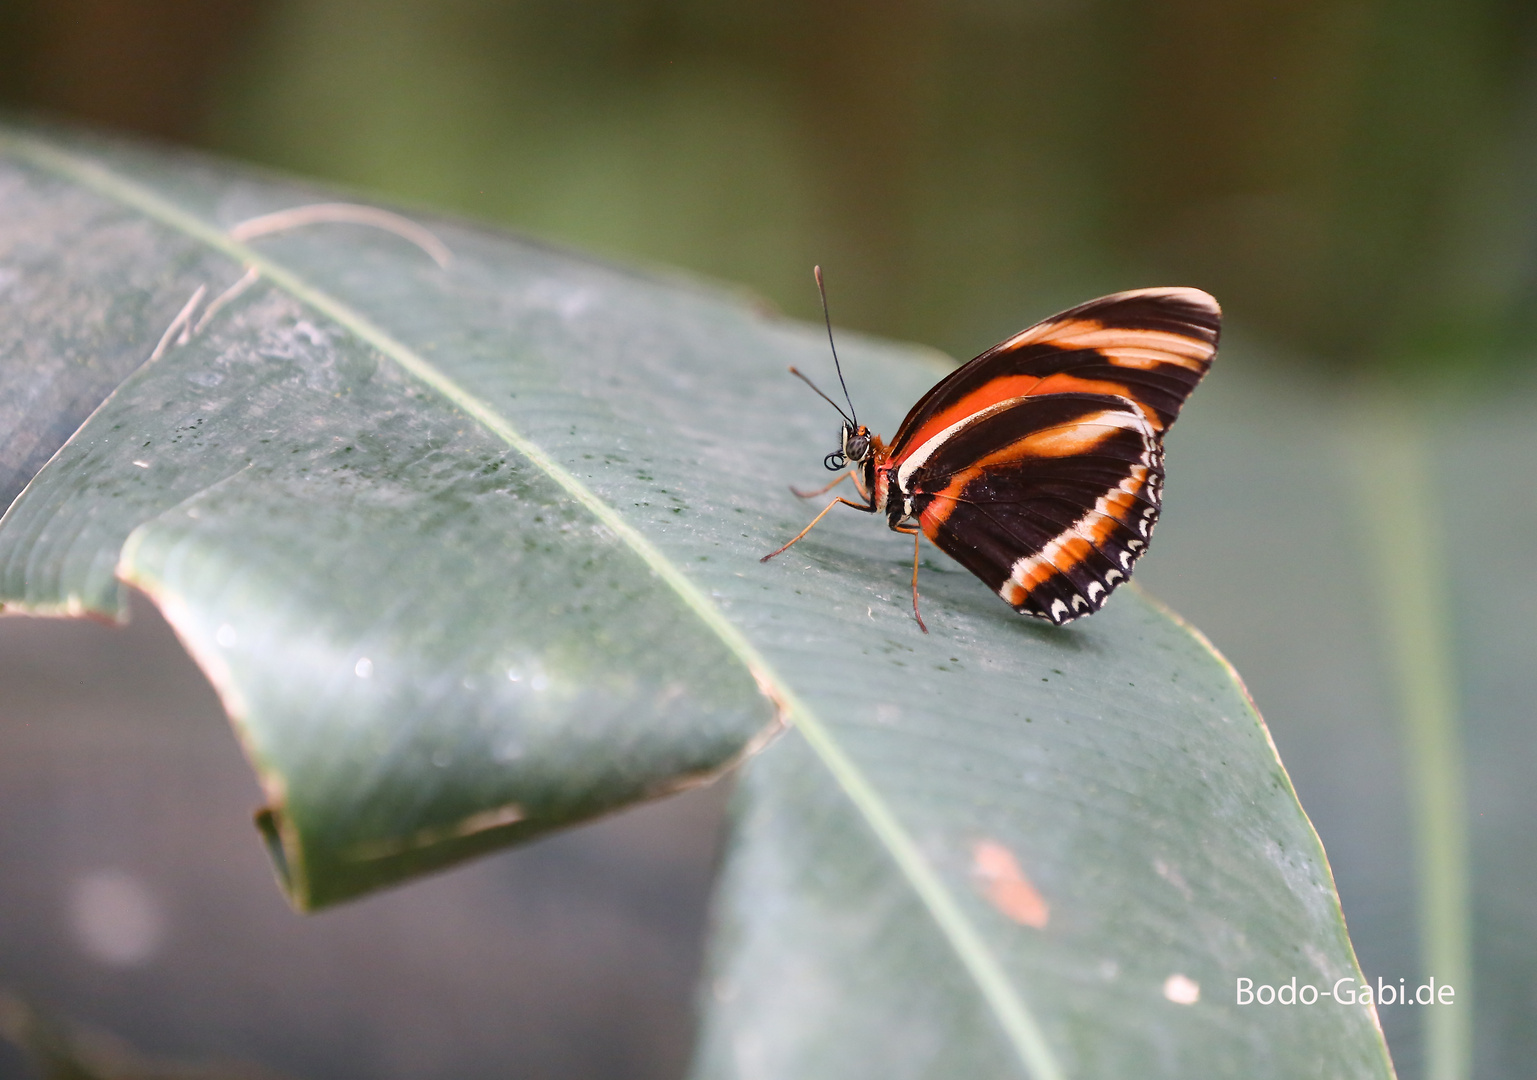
(991,393)
(1082,436)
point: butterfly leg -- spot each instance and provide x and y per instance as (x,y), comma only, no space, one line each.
(917,533)
(860,487)
(799,494)
(857,506)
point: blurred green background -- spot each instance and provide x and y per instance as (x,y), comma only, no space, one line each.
(1350,178)
(1353,180)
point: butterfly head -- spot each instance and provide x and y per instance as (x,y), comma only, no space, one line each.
(854,446)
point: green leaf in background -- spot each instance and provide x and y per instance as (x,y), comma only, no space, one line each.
(472,553)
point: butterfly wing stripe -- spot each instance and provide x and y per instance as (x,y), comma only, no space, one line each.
(1059,440)
(1096,527)
(1034,520)
(1120,496)
(1150,359)
(1067,578)
(1159,389)
(1154,344)
(1159,393)
(983,544)
(993,395)
(1038,590)
(916,459)
(1060,426)
(1101,468)
(1094,531)
(1094,568)
(1114,386)
(1139,348)
(1057,499)
(1005,454)
(1170,307)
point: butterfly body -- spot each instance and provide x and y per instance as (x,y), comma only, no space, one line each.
(1038,465)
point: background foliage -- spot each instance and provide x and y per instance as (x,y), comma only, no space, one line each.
(1353,180)
(1350,177)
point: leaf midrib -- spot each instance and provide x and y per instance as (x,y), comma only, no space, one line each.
(1015,1017)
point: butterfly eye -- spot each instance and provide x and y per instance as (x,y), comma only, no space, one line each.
(859,448)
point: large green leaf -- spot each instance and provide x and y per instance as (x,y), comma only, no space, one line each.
(1145,813)
(1280,547)
(472,553)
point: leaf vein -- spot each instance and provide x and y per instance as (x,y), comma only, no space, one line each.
(1015,1017)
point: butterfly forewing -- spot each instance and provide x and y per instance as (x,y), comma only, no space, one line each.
(1151,346)
(1039,465)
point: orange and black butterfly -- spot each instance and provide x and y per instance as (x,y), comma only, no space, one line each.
(1038,466)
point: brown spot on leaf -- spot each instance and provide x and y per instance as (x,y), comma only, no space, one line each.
(1004,884)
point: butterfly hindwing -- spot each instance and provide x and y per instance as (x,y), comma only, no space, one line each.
(1049,502)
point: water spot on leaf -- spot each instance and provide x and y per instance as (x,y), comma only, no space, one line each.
(1181,989)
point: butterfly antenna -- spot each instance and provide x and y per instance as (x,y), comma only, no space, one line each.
(802,377)
(822,291)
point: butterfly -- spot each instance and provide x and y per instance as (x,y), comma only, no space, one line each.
(1038,465)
